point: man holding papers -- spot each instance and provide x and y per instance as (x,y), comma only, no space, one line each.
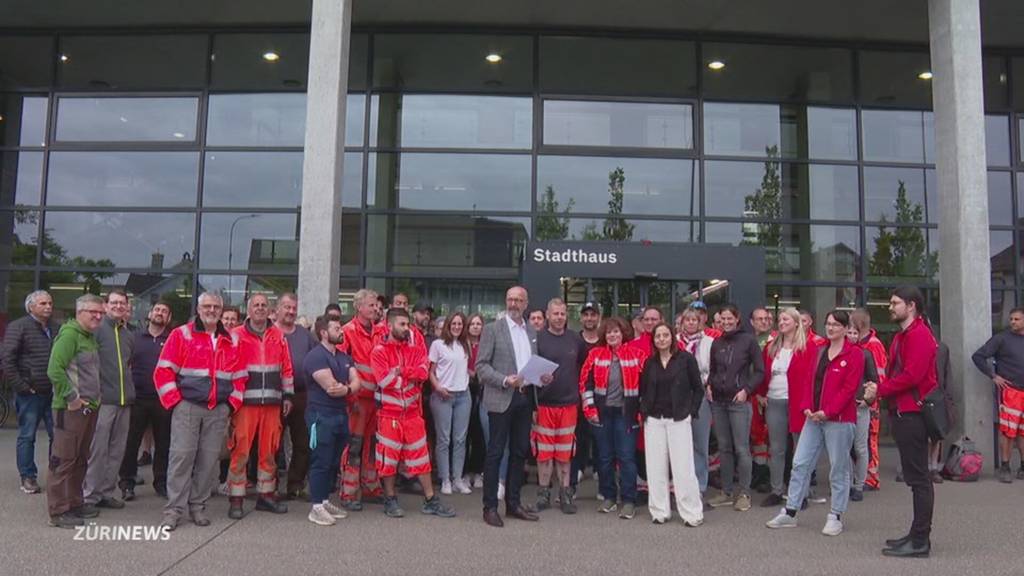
(553,435)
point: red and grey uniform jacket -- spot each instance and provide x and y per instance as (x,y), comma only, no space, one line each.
(399,394)
(358,344)
(269,363)
(192,368)
(594,379)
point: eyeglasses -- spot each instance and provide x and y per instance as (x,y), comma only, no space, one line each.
(94,312)
(834,325)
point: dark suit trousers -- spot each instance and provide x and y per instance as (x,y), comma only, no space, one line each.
(147,412)
(512,426)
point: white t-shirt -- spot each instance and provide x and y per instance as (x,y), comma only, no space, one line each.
(778,386)
(452,365)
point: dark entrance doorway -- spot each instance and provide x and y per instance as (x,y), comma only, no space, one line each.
(625,277)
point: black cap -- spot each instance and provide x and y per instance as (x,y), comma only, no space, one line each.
(590,306)
(423,308)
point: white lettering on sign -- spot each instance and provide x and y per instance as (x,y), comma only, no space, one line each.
(574,256)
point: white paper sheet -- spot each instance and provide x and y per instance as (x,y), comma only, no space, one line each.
(535,368)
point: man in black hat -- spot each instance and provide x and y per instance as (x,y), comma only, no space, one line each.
(590,319)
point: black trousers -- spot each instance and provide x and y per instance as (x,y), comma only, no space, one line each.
(296,423)
(476,449)
(147,412)
(911,437)
(512,425)
(582,458)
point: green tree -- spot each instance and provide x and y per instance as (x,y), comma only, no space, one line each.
(766,203)
(56,255)
(903,250)
(553,222)
(615,226)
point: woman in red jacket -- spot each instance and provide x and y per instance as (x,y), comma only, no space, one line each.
(830,421)
(788,369)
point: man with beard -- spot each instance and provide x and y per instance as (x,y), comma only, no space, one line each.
(590,318)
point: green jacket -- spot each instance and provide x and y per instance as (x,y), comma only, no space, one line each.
(74,366)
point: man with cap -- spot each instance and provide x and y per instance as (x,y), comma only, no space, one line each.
(590,319)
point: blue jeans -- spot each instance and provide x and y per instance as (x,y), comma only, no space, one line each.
(732,429)
(31,408)
(701,427)
(616,441)
(451,424)
(331,437)
(837,439)
(485,422)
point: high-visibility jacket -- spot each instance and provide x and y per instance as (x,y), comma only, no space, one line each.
(594,379)
(399,393)
(269,363)
(193,369)
(358,344)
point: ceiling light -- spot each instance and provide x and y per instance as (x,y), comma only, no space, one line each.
(179,135)
(716,65)
(271,56)
(493,58)
(64,58)
(1,117)
(926,75)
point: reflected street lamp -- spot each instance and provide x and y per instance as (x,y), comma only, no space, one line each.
(231,246)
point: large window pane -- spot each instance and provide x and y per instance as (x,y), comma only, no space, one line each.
(249,241)
(818,300)
(626,229)
(19,237)
(1000,199)
(897,135)
(893,79)
(768,72)
(253,179)
(351,242)
(618,124)
(120,62)
(474,245)
(127,119)
(25,61)
(451,121)
(21,178)
(617,66)
(796,251)
(1001,258)
(352,180)
(997,140)
(236,289)
(579,184)
(22,120)
(14,286)
(773,130)
(901,254)
(446,295)
(453,62)
(119,239)
(257,120)
(420,181)
(901,195)
(775,190)
(123,179)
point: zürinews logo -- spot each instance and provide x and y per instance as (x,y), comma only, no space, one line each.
(93,532)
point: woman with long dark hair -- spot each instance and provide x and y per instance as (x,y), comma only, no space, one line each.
(450,402)
(476,448)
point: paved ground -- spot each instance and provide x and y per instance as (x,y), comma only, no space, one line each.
(979,529)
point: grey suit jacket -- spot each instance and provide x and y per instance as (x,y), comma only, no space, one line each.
(496,359)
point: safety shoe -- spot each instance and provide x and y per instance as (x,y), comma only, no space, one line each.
(320,516)
(543,498)
(856,495)
(235,511)
(1004,475)
(199,518)
(391,507)
(628,511)
(170,521)
(742,503)
(112,503)
(267,503)
(721,499)
(66,520)
(565,501)
(352,505)
(29,485)
(435,507)
(86,511)
(772,500)
(334,511)
(783,520)
(833,526)
(607,507)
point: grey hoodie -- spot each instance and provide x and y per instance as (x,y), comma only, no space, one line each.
(115,343)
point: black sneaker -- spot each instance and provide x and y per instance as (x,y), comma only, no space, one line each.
(856,495)
(352,505)
(265,504)
(1004,475)
(86,511)
(435,507)
(543,498)
(128,493)
(772,501)
(112,503)
(565,501)
(66,520)
(392,509)
(30,486)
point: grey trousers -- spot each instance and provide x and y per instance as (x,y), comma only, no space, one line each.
(197,435)
(106,452)
(860,447)
(732,429)
(776,416)
(701,428)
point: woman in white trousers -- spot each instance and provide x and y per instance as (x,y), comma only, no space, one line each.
(670,396)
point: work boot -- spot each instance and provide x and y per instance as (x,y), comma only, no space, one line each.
(112,503)
(435,507)
(235,511)
(352,505)
(267,503)
(543,498)
(721,499)
(391,507)
(742,503)
(1004,475)
(856,495)
(86,511)
(566,501)
(170,521)
(199,518)
(66,520)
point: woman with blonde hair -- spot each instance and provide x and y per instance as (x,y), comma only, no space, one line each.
(789,359)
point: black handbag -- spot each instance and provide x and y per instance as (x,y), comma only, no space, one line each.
(935,412)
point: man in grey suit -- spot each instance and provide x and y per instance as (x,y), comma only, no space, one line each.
(505,347)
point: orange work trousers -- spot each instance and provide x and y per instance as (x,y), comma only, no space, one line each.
(872,479)
(261,424)
(359,462)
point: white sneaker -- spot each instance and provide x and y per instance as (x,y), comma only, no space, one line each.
(446,487)
(478,481)
(600,497)
(783,520)
(320,516)
(462,487)
(833,526)
(334,511)
(501,490)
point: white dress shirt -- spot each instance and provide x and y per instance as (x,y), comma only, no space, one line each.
(520,343)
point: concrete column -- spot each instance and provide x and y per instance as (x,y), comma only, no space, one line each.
(964,265)
(327,89)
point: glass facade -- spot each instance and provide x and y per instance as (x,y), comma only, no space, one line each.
(175,165)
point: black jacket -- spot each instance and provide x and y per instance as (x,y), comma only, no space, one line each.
(26,354)
(736,364)
(683,374)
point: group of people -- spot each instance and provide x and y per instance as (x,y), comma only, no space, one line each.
(375,402)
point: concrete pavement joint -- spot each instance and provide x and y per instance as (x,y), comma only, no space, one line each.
(197,549)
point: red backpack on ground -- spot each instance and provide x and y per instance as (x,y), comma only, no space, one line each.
(964,462)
